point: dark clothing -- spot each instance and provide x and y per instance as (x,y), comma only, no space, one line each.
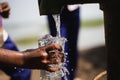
(14,73)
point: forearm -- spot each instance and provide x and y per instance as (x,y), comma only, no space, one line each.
(32,59)
(11,58)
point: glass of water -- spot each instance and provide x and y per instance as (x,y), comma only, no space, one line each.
(44,41)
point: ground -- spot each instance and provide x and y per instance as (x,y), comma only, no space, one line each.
(91,62)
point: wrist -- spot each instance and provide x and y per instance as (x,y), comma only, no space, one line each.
(26,57)
(21,61)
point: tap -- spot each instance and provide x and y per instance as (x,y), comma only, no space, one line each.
(55,6)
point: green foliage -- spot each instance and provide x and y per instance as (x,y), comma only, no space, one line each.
(92,23)
(27,40)
(33,39)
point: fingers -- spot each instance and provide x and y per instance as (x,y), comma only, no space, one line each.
(52,58)
(4,9)
(0,8)
(53,63)
(5,6)
(51,69)
(7,9)
(53,47)
(56,58)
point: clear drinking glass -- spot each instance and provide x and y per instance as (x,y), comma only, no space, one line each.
(46,40)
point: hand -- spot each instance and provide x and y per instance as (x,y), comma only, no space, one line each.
(40,59)
(4,9)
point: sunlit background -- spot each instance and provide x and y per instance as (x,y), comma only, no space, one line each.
(25,25)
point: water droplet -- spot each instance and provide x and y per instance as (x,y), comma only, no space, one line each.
(72,69)
(22,69)
(66,53)
(19,71)
(67,61)
(15,67)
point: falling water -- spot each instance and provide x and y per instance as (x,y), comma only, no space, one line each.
(57,22)
(63,70)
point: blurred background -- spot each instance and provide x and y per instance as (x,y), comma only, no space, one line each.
(25,26)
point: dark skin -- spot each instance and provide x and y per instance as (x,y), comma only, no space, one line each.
(44,58)
(33,59)
(4,9)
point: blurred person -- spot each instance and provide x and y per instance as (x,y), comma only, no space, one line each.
(70,24)
(10,57)
(7,43)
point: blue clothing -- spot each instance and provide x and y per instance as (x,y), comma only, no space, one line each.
(70,24)
(14,73)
